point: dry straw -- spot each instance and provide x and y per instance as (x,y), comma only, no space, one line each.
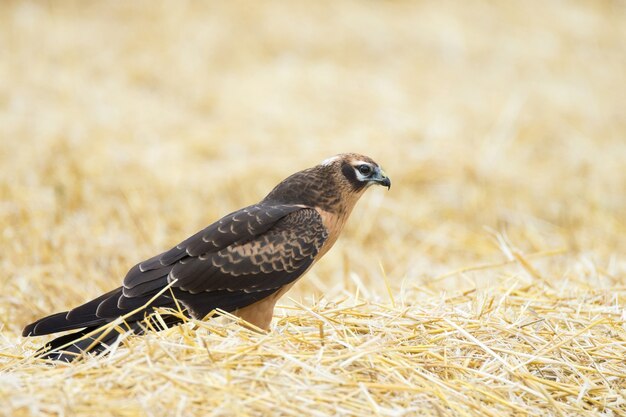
(490,280)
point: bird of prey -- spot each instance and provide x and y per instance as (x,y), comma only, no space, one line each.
(241,264)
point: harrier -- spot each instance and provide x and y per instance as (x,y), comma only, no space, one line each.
(241,264)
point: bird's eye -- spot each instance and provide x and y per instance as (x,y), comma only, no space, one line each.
(365,169)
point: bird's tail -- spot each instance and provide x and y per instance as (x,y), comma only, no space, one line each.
(92,340)
(97,339)
(99,323)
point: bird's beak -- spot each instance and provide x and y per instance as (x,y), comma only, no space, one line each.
(381,178)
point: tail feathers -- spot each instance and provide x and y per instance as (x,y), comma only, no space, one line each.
(58,322)
(97,312)
(80,317)
(94,316)
(71,346)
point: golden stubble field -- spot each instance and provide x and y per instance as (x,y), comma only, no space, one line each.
(490,280)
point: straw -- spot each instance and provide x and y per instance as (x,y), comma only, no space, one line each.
(489,281)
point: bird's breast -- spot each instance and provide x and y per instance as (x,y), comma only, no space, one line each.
(333,222)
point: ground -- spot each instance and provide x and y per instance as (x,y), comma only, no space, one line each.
(490,279)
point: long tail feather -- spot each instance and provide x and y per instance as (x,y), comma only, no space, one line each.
(72,346)
(96,339)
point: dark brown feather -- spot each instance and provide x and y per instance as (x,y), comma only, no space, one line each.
(265,262)
(238,226)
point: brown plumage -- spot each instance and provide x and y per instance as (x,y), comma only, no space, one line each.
(242,263)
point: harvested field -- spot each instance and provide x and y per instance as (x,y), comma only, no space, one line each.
(489,281)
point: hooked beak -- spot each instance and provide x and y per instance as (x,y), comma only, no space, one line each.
(381,178)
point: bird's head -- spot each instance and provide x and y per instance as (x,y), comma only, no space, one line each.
(334,185)
(357,171)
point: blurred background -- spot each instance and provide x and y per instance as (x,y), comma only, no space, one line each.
(127,126)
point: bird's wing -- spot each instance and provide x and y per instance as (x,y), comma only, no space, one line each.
(268,261)
(251,252)
(239,226)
